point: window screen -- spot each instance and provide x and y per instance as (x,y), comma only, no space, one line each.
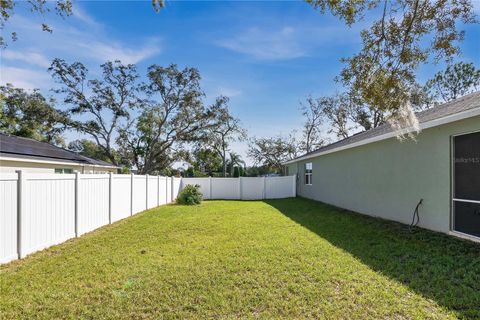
(466,184)
(467,217)
(467,167)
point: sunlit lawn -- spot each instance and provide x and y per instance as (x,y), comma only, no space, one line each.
(291,258)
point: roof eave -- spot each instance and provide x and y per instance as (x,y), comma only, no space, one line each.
(425,125)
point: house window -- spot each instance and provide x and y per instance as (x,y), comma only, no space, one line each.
(308,173)
(63,170)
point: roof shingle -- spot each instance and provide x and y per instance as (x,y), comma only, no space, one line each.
(14,145)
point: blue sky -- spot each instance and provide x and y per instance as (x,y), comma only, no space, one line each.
(266,56)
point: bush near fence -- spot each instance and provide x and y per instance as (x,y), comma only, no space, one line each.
(41,210)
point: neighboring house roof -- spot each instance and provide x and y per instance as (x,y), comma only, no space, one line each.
(25,147)
(461,108)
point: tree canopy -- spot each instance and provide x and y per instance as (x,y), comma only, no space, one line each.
(30,115)
(404,35)
(273,152)
(97,106)
(455,81)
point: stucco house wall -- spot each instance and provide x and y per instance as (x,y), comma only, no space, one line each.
(387,178)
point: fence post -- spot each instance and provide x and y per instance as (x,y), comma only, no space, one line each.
(210,186)
(240,187)
(77,186)
(166,189)
(171,193)
(146,192)
(131,194)
(20,207)
(264,187)
(110,183)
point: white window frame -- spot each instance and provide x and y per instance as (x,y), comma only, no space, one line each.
(308,174)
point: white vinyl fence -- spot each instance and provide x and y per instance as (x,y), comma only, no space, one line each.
(40,210)
(244,188)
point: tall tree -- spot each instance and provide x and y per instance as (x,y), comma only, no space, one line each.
(205,160)
(235,161)
(405,34)
(273,152)
(30,115)
(88,148)
(223,129)
(97,105)
(455,81)
(172,115)
(312,112)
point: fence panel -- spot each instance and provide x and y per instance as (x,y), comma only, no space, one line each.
(162,190)
(280,187)
(246,188)
(48,211)
(169,189)
(139,193)
(252,188)
(225,188)
(121,196)
(93,202)
(204,184)
(177,184)
(8,217)
(152,196)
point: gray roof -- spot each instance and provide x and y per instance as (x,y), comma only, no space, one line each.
(13,145)
(468,102)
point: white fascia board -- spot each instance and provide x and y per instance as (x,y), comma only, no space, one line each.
(425,125)
(74,164)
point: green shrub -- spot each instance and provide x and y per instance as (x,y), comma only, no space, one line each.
(190,195)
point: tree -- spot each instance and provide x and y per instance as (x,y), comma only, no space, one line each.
(99,104)
(172,114)
(235,162)
(406,34)
(313,114)
(30,115)
(455,81)
(222,130)
(273,152)
(88,148)
(206,160)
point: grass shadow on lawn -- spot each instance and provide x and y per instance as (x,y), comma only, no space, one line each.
(439,267)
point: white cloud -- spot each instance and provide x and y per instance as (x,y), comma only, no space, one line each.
(24,78)
(103,51)
(228,92)
(33,58)
(266,45)
(24,63)
(83,16)
(285,43)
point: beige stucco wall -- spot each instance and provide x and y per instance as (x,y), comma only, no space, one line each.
(10,166)
(387,178)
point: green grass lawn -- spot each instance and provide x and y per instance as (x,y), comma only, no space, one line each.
(291,258)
